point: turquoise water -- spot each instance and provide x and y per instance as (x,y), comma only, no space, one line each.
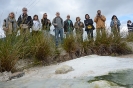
(123,78)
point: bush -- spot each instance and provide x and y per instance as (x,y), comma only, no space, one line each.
(129,37)
(70,44)
(10,48)
(88,46)
(106,44)
(41,47)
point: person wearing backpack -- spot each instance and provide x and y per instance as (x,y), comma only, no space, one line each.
(115,25)
(25,22)
(79,29)
(10,25)
(68,26)
(58,24)
(46,24)
(89,27)
(36,25)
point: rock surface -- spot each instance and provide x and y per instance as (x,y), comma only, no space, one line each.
(84,68)
(16,75)
(6,76)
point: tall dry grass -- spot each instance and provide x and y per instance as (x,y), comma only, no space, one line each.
(107,44)
(10,49)
(41,47)
(129,37)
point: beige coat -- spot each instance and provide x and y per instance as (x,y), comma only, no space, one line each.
(79,28)
(8,30)
(100,22)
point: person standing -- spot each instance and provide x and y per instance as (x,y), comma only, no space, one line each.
(68,26)
(100,23)
(89,26)
(10,25)
(115,25)
(36,25)
(58,24)
(25,22)
(79,29)
(130,26)
(46,24)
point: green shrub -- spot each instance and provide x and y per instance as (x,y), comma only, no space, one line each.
(129,37)
(9,53)
(88,46)
(106,44)
(41,47)
(70,44)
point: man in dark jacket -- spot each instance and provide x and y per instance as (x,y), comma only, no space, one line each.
(68,26)
(25,22)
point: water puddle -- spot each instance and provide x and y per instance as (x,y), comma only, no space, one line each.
(123,78)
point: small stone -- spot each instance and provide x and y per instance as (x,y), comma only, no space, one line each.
(64,69)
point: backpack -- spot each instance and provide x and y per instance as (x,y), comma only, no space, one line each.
(5,20)
(4,23)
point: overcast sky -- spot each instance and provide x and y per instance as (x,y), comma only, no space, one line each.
(121,8)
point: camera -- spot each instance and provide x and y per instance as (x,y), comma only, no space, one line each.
(99,14)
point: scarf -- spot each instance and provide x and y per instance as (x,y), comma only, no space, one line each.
(13,22)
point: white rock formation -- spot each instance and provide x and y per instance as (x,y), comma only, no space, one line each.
(64,69)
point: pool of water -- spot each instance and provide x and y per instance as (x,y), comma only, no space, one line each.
(122,78)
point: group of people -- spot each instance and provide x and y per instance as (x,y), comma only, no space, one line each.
(26,22)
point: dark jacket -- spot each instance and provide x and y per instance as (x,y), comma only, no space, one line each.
(25,20)
(45,24)
(88,22)
(130,27)
(66,26)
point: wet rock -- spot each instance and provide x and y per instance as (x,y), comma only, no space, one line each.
(16,75)
(64,69)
